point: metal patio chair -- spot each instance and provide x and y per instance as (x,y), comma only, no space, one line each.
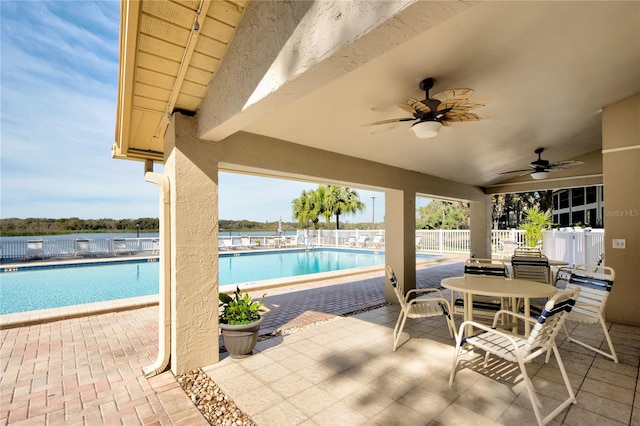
(522,350)
(483,306)
(414,306)
(595,283)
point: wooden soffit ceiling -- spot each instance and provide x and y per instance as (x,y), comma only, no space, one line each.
(169,51)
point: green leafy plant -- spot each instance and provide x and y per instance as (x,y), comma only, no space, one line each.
(239,308)
(535,222)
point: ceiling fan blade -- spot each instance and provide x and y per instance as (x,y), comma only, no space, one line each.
(466,107)
(455,101)
(453,93)
(418,105)
(518,171)
(406,108)
(566,164)
(460,116)
(391,120)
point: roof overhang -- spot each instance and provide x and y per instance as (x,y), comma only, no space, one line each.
(169,52)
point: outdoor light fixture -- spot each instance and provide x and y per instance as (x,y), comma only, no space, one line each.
(539,175)
(426,129)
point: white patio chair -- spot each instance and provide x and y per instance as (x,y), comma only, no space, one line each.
(595,283)
(362,241)
(245,242)
(414,306)
(377,242)
(522,350)
(531,265)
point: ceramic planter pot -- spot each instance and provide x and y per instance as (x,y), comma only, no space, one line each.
(240,339)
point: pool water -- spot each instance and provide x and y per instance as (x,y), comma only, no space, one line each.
(44,288)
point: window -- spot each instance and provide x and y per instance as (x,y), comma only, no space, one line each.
(592,195)
(577,197)
(577,217)
(591,218)
(564,219)
(564,199)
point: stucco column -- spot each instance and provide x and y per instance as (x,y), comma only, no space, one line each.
(480,232)
(400,239)
(193,174)
(621,176)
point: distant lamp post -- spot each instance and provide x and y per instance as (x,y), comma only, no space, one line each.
(137,230)
(373,213)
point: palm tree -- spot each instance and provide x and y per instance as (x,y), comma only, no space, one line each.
(339,200)
(307,208)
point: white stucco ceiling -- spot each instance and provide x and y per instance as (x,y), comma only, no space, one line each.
(544,70)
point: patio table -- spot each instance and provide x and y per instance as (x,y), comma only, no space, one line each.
(498,287)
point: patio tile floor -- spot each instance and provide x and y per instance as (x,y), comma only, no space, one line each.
(340,372)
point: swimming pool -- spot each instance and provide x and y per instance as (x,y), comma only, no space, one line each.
(50,287)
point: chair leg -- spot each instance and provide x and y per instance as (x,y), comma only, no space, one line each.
(397,331)
(535,402)
(612,353)
(567,383)
(456,355)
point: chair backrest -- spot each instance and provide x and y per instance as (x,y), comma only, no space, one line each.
(532,267)
(377,239)
(396,286)
(595,283)
(527,251)
(485,267)
(551,320)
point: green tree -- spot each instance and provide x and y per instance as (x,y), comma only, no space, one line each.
(307,208)
(441,215)
(338,200)
(535,222)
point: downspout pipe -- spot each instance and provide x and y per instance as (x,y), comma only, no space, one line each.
(164,308)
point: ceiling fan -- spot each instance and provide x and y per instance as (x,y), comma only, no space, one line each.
(430,114)
(539,169)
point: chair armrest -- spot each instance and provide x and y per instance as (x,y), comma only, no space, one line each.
(512,314)
(421,290)
(486,328)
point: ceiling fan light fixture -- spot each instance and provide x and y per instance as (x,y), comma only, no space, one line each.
(426,129)
(539,175)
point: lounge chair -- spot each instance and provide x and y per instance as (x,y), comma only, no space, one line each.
(414,305)
(82,248)
(522,350)
(378,242)
(245,242)
(120,246)
(362,241)
(35,249)
(227,244)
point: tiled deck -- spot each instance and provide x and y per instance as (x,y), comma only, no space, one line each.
(88,371)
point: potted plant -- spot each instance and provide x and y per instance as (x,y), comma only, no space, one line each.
(240,321)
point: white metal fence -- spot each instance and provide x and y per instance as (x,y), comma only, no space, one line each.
(41,249)
(573,246)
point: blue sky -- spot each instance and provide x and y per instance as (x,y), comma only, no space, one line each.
(59,72)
